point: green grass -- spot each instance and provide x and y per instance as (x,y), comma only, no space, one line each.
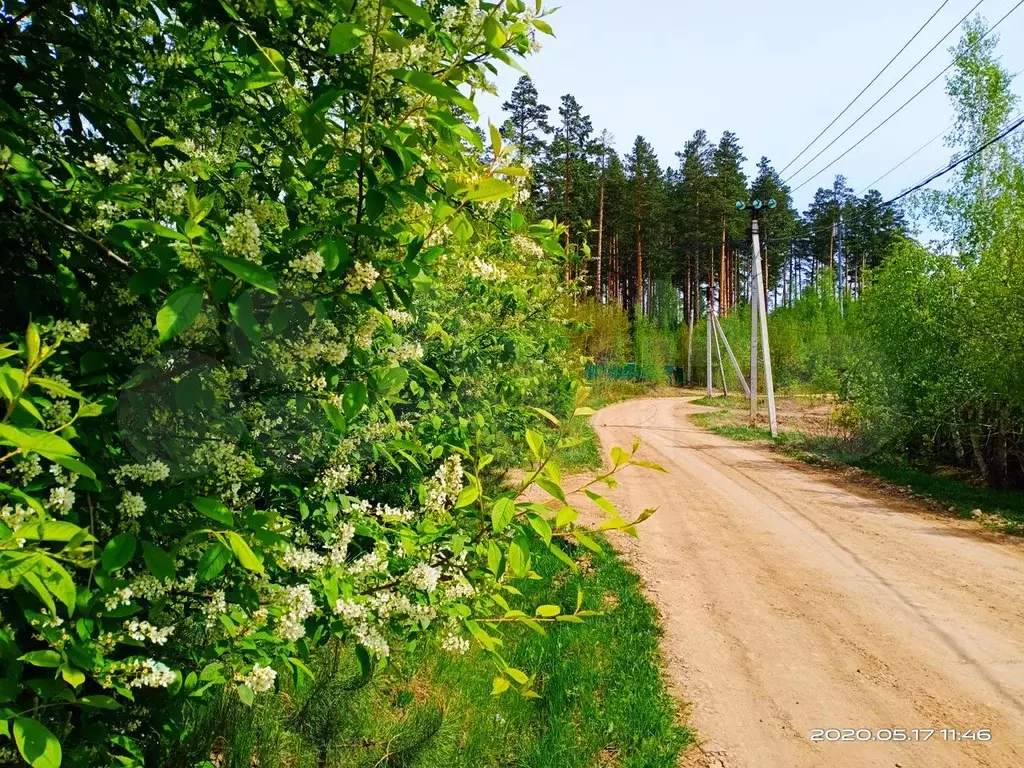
(604,702)
(952,490)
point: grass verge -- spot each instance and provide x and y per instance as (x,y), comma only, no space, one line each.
(604,702)
(1001,509)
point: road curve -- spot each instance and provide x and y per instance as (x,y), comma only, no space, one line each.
(793,601)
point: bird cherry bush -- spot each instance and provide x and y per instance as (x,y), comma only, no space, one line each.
(270,315)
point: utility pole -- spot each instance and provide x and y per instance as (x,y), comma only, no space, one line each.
(762,317)
(753,348)
(709,348)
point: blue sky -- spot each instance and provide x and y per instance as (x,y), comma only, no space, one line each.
(775,73)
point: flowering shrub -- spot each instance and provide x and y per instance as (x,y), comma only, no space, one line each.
(280,319)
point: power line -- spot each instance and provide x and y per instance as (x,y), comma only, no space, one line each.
(920,149)
(873,81)
(880,98)
(1013,125)
(906,103)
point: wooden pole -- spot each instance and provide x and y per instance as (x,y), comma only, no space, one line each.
(752,391)
(762,312)
(732,359)
(689,350)
(709,352)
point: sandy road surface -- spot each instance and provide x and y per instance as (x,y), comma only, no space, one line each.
(794,601)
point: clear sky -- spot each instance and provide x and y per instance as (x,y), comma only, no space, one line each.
(775,73)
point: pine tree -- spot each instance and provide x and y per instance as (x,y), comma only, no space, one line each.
(730,186)
(646,187)
(778,225)
(527,123)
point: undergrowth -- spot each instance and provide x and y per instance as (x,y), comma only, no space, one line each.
(603,700)
(960,493)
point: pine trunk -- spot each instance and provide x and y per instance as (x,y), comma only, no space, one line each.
(598,286)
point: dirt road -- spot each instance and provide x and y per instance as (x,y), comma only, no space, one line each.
(793,601)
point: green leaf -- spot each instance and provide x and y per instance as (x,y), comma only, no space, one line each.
(213,561)
(159,562)
(32,344)
(58,388)
(76,466)
(430,85)
(489,190)
(547,415)
(98,701)
(251,273)
(118,552)
(51,530)
(499,686)
(36,744)
(259,79)
(244,554)
(179,311)
(536,443)
(136,131)
(344,38)
(49,659)
(36,441)
(353,399)
(541,526)
(548,611)
(467,496)
(152,228)
(502,512)
(409,9)
(519,556)
(214,509)
(242,313)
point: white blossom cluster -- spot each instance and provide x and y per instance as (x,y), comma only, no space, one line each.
(445,486)
(527,248)
(337,551)
(363,338)
(101,164)
(349,609)
(405,352)
(76,332)
(151,472)
(216,606)
(299,605)
(371,639)
(61,500)
(454,643)
(150,674)
(302,559)
(132,506)
(260,679)
(26,468)
(143,630)
(312,263)
(120,596)
(322,341)
(334,478)
(399,317)
(423,577)
(371,563)
(16,516)
(362,277)
(242,237)
(485,271)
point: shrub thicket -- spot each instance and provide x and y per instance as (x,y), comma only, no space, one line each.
(268,318)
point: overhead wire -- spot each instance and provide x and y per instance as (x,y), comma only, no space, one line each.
(881,72)
(903,106)
(1012,126)
(919,150)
